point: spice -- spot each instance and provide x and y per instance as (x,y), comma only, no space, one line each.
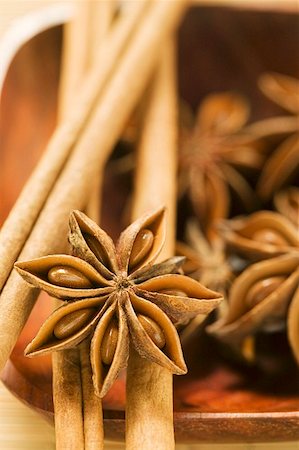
(85,415)
(287,203)
(106,299)
(259,298)
(212,152)
(284,161)
(293,325)
(21,220)
(70,192)
(205,261)
(260,235)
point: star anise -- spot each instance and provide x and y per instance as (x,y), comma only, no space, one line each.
(261,235)
(261,298)
(284,161)
(116,295)
(205,261)
(212,154)
(293,325)
(287,203)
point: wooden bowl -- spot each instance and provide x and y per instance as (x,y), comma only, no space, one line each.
(219,400)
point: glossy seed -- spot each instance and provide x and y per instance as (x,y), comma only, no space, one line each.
(109,342)
(261,289)
(73,322)
(142,246)
(97,249)
(269,236)
(152,329)
(176,292)
(68,277)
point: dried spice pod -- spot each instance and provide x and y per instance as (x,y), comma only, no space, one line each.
(205,261)
(280,167)
(287,203)
(40,273)
(293,325)
(116,295)
(259,298)
(212,153)
(281,89)
(284,161)
(261,235)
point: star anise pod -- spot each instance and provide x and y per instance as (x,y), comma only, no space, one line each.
(205,261)
(284,161)
(287,203)
(261,235)
(116,295)
(260,298)
(293,325)
(215,154)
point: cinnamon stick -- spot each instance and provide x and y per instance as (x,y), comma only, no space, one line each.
(83,46)
(92,405)
(22,217)
(74,61)
(121,95)
(78,416)
(149,404)
(68,412)
(68,407)
(100,20)
(83,38)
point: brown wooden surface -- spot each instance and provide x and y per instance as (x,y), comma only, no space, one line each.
(218,400)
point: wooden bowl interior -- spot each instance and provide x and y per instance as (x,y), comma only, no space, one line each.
(219,49)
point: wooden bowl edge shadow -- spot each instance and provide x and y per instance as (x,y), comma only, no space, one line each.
(190,427)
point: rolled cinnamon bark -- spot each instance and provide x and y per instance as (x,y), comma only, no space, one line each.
(84,39)
(22,217)
(92,405)
(121,96)
(66,377)
(149,401)
(81,410)
(66,365)
(100,20)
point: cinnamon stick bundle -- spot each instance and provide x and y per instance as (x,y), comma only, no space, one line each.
(121,95)
(149,404)
(22,217)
